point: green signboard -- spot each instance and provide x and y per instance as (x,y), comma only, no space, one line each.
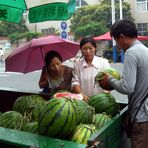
(52,11)
(10,14)
(12,11)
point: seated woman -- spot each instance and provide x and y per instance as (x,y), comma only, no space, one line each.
(55,76)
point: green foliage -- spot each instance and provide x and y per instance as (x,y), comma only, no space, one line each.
(7,28)
(30,35)
(92,29)
(27,35)
(95,20)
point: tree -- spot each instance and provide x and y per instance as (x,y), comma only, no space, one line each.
(105,12)
(95,20)
(14,38)
(92,29)
(7,28)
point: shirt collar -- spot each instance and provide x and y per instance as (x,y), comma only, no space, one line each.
(135,42)
(94,62)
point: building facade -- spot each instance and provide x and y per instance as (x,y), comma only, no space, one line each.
(48,26)
(139,10)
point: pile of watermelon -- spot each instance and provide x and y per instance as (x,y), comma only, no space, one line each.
(24,114)
(64,116)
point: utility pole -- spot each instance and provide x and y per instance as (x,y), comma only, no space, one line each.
(121,17)
(113,21)
(121,14)
(80,3)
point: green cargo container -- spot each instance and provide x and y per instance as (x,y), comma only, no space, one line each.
(109,136)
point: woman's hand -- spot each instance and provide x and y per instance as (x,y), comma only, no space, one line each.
(76,89)
(107,91)
(43,82)
(85,97)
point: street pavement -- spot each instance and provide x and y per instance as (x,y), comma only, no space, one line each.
(119,97)
(29,82)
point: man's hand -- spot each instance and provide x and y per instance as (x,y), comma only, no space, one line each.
(104,82)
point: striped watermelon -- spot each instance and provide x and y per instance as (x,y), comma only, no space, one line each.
(82,133)
(29,105)
(58,118)
(84,111)
(100,119)
(104,102)
(111,71)
(13,120)
(31,127)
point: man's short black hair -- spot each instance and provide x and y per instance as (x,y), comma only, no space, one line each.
(125,27)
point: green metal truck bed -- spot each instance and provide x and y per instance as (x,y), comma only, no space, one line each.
(9,137)
(109,136)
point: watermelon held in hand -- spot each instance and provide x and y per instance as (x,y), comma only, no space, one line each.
(68,95)
(101,76)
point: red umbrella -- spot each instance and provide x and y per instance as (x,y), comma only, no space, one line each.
(107,37)
(30,56)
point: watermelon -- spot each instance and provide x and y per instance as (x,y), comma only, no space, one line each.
(62,90)
(100,119)
(84,112)
(13,120)
(110,71)
(104,102)
(82,133)
(29,105)
(31,127)
(57,118)
(68,95)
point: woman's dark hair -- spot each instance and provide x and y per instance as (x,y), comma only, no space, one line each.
(50,55)
(125,27)
(87,40)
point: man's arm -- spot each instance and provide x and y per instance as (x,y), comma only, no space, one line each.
(127,84)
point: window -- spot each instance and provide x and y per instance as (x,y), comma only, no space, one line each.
(142,28)
(51,30)
(80,3)
(142,5)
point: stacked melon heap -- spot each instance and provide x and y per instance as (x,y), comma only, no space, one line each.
(64,116)
(24,114)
